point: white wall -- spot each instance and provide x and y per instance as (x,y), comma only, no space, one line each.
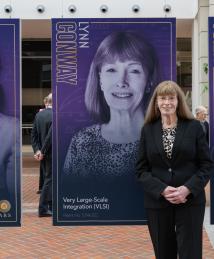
(200,55)
(27,9)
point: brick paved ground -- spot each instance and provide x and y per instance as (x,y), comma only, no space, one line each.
(37,238)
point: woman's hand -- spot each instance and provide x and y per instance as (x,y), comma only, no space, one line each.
(176,195)
(168,190)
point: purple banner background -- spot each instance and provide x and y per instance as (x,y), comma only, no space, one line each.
(10,105)
(211,106)
(70,114)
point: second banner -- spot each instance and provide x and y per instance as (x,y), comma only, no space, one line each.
(104,73)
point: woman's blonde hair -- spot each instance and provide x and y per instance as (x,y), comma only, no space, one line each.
(167,88)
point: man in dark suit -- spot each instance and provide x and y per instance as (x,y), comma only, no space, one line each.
(9,156)
(201,115)
(41,137)
(42,166)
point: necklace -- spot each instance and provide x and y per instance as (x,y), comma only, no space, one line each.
(169,126)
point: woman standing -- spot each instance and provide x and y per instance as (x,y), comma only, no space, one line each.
(174,166)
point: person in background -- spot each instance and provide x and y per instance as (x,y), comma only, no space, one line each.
(174,166)
(42,166)
(201,115)
(41,142)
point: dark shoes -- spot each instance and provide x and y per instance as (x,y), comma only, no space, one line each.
(45,214)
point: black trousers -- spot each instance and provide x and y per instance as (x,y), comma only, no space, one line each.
(45,201)
(41,174)
(177,231)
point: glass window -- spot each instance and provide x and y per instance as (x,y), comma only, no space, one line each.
(184,67)
(36,73)
(36,81)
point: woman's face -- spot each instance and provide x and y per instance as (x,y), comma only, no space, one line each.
(123,84)
(167,104)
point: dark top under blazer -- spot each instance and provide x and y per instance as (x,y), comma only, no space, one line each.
(190,165)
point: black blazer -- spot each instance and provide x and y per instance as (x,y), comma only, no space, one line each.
(190,165)
(41,131)
(206,130)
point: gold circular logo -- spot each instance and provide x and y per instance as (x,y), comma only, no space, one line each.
(4,206)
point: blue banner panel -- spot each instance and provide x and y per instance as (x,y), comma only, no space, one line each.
(211,107)
(104,73)
(10,203)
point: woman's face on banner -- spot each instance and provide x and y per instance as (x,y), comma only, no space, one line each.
(123,84)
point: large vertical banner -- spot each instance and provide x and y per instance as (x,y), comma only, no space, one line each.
(104,73)
(10,204)
(211,105)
